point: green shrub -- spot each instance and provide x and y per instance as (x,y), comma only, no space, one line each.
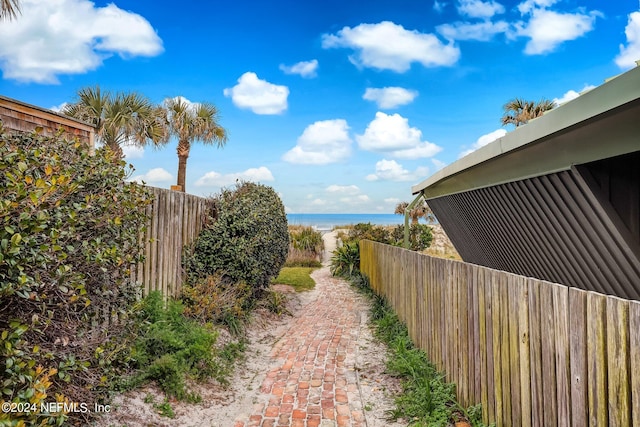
(345,261)
(247,240)
(69,235)
(211,299)
(171,349)
(307,239)
(420,236)
(369,232)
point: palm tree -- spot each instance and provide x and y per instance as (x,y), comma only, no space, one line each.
(518,111)
(121,118)
(191,122)
(9,9)
(421,211)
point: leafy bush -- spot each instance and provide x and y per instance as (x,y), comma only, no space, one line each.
(248,239)
(345,261)
(420,236)
(369,232)
(69,235)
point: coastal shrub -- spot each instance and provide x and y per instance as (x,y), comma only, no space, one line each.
(212,299)
(247,239)
(369,232)
(305,248)
(69,235)
(345,261)
(171,349)
(420,236)
(307,239)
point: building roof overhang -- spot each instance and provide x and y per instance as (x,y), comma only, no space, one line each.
(601,123)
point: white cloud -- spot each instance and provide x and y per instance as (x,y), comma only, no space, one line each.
(390,170)
(307,69)
(154,176)
(438,164)
(484,140)
(529,5)
(481,31)
(132,151)
(571,95)
(388,46)
(259,96)
(392,135)
(343,189)
(547,29)
(321,143)
(63,37)
(59,108)
(630,53)
(390,97)
(479,8)
(439,6)
(215,179)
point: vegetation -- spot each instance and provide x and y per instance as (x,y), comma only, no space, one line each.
(305,248)
(297,277)
(120,118)
(518,112)
(345,260)
(420,236)
(172,349)
(66,252)
(422,210)
(9,9)
(192,122)
(426,399)
(246,241)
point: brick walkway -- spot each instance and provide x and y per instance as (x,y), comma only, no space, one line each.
(313,381)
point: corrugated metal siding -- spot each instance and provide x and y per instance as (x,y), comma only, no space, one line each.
(552,227)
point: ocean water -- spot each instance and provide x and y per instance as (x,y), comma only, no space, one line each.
(329,221)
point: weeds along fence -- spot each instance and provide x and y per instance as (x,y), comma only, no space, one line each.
(174,220)
(532,352)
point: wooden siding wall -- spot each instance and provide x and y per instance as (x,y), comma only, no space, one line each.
(174,221)
(21,118)
(533,353)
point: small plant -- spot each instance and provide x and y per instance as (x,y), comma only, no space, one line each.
(346,260)
(164,409)
(276,302)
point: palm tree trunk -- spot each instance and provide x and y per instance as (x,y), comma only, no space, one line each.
(117,151)
(183,155)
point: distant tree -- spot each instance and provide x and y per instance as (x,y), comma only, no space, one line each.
(420,211)
(518,111)
(121,118)
(189,123)
(9,9)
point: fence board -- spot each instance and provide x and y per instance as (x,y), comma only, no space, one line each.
(618,362)
(578,356)
(596,359)
(634,346)
(533,353)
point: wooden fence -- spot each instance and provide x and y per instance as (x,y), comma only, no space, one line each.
(533,353)
(174,221)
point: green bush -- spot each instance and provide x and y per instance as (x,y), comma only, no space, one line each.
(369,232)
(345,261)
(69,235)
(420,236)
(247,239)
(171,348)
(307,239)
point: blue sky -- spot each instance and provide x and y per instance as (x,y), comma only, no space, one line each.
(340,106)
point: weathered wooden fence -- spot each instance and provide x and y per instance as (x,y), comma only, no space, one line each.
(532,352)
(174,221)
